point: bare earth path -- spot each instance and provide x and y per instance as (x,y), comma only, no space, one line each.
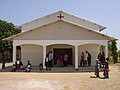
(59,81)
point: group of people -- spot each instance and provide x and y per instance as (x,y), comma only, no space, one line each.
(101,57)
(85,59)
(62,60)
(19,66)
(105,70)
(102,61)
(48,63)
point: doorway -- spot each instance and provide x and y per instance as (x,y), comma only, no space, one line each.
(62,51)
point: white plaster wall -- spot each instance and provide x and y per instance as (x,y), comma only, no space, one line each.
(60,30)
(32,52)
(93,49)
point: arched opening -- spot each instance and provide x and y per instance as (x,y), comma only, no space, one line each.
(32,52)
(93,49)
(62,49)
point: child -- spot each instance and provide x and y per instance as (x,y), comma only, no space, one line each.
(105,72)
(106,69)
(107,63)
(41,66)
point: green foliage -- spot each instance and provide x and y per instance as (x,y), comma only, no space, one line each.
(6,30)
(102,48)
(114,51)
(119,55)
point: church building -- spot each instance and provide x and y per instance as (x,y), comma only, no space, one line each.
(61,33)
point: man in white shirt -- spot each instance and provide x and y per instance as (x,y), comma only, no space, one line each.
(85,58)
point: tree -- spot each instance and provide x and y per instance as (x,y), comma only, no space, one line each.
(102,48)
(119,55)
(6,30)
(114,51)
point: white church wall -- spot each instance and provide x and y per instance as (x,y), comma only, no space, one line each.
(32,52)
(93,49)
(60,30)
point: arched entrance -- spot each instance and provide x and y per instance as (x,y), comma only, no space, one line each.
(44,46)
(93,49)
(62,49)
(32,52)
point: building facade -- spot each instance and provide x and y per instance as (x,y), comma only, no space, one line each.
(61,33)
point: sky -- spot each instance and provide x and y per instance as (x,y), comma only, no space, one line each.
(103,12)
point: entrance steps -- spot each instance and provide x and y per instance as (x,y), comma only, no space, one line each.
(54,69)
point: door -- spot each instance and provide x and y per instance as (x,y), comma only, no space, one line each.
(63,51)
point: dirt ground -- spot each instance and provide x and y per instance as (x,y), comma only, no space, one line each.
(60,81)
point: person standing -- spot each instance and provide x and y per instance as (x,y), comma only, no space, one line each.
(3,64)
(65,60)
(103,59)
(100,58)
(50,58)
(107,62)
(89,59)
(97,68)
(85,58)
(82,59)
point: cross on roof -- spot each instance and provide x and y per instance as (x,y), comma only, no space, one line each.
(60,16)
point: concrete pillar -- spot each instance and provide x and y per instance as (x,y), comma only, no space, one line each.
(44,55)
(76,57)
(14,54)
(106,50)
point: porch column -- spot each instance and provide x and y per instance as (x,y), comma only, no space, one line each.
(76,57)
(44,55)
(14,54)
(106,50)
